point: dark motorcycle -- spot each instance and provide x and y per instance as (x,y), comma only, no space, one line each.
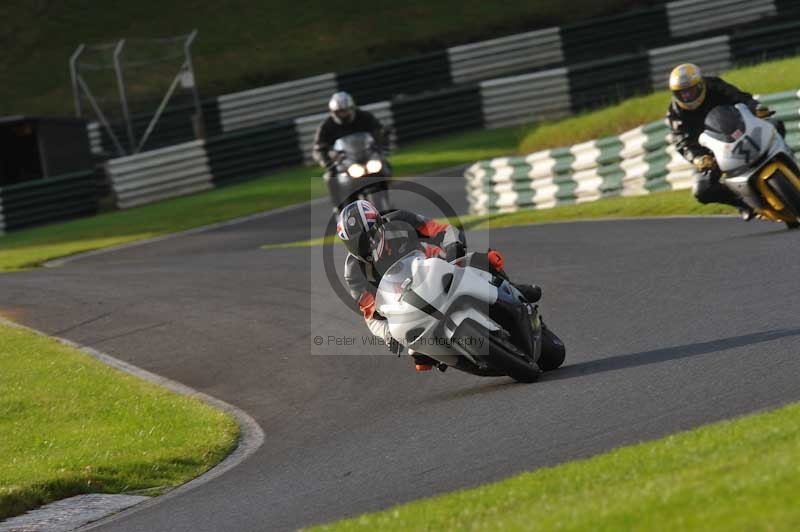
(361,170)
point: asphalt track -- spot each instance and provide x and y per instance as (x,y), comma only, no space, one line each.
(669,324)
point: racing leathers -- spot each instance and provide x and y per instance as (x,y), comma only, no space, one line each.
(329,131)
(362,278)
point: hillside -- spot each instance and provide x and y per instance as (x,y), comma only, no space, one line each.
(245,44)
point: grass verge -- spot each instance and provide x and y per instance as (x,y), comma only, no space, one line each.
(669,203)
(72,425)
(735,475)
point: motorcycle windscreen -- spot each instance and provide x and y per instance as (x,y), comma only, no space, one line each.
(725,123)
(357,146)
(398,279)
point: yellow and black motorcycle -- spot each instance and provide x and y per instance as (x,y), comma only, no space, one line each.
(755,161)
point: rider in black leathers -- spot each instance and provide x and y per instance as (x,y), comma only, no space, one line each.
(345,118)
(694,96)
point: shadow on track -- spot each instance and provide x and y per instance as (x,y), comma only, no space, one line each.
(495,385)
(764,234)
(665,354)
(631,360)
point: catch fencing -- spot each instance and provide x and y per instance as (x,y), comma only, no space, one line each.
(636,162)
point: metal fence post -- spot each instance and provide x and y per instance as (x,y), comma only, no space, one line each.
(73,70)
(122,95)
(199,120)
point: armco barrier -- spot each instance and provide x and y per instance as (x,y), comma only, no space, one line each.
(496,57)
(713,56)
(408,76)
(637,162)
(766,42)
(632,31)
(47,200)
(175,125)
(607,81)
(275,102)
(159,174)
(445,111)
(690,17)
(527,98)
(252,152)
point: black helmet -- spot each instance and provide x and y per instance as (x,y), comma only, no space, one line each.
(342,107)
(356,226)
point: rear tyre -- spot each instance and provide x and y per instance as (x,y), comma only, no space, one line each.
(793,225)
(553,350)
(502,355)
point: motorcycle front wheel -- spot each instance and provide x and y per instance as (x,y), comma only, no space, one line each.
(553,350)
(499,353)
(786,192)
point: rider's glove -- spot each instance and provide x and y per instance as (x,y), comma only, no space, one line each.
(496,259)
(704,163)
(762,111)
(454,251)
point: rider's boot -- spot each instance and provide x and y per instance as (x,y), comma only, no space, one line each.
(532,292)
(746,212)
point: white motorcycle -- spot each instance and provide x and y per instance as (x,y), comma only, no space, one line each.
(755,161)
(465,317)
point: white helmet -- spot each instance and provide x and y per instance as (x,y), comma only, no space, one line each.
(342,107)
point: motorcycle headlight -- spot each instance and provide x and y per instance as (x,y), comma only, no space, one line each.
(374,166)
(356,171)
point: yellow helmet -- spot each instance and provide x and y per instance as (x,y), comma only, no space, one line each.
(687,86)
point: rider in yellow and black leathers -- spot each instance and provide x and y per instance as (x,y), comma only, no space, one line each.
(693,97)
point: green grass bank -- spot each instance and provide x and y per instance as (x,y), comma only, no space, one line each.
(243,45)
(738,475)
(72,425)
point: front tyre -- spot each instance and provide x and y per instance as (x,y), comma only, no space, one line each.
(786,193)
(553,350)
(499,353)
